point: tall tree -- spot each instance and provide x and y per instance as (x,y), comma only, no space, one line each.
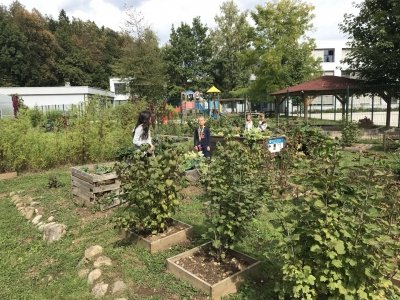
(41,44)
(375,46)
(283,52)
(141,61)
(14,57)
(188,57)
(231,42)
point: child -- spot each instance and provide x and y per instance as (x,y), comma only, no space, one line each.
(249,123)
(202,137)
(141,132)
(262,123)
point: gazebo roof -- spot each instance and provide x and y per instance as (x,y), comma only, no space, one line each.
(324,85)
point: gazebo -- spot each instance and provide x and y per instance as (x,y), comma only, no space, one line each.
(340,87)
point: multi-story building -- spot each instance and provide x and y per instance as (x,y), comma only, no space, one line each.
(332,53)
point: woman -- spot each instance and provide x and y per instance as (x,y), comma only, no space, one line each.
(141,133)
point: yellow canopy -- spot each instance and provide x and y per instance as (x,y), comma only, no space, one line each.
(213,89)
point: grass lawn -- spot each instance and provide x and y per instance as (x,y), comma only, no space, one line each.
(31,269)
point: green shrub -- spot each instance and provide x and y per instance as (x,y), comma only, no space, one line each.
(94,134)
(350,133)
(150,186)
(236,184)
(339,230)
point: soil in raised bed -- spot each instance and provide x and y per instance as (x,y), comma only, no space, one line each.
(209,269)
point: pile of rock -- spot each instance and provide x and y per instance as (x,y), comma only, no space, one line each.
(89,268)
(52,231)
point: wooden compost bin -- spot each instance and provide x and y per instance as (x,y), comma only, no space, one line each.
(222,288)
(88,188)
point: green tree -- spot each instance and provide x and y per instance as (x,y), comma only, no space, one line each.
(41,45)
(188,57)
(375,45)
(14,56)
(231,43)
(141,61)
(283,52)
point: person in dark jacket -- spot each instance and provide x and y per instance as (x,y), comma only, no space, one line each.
(202,137)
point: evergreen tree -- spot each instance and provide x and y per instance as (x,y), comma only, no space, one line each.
(188,57)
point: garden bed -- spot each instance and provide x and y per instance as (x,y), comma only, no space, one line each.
(95,184)
(177,233)
(217,279)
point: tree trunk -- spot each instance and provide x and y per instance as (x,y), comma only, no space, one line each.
(388,111)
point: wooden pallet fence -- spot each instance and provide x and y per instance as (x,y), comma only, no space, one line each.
(89,189)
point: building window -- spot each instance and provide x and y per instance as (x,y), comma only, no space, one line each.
(329,55)
(121,88)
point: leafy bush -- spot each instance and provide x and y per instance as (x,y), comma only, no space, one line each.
(339,230)
(151,186)
(350,133)
(94,134)
(365,123)
(192,159)
(236,184)
(54,182)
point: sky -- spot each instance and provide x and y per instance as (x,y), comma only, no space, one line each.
(161,14)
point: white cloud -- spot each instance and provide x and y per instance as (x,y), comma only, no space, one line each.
(161,14)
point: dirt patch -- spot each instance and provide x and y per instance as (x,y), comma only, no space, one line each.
(208,268)
(358,147)
(3,195)
(87,215)
(192,191)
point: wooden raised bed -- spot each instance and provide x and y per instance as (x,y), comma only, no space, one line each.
(89,188)
(222,288)
(164,241)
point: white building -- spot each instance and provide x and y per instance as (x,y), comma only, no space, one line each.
(56,97)
(332,53)
(120,87)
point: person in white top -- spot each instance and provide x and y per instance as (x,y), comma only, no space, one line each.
(249,123)
(141,133)
(262,123)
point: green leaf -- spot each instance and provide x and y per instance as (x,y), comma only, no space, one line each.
(337,263)
(339,247)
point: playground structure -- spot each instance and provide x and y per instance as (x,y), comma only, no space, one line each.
(194,103)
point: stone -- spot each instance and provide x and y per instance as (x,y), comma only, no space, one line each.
(19,205)
(28,212)
(102,261)
(93,276)
(50,219)
(12,194)
(41,226)
(15,198)
(99,290)
(118,286)
(36,219)
(121,299)
(192,175)
(93,251)
(83,273)
(53,232)
(34,203)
